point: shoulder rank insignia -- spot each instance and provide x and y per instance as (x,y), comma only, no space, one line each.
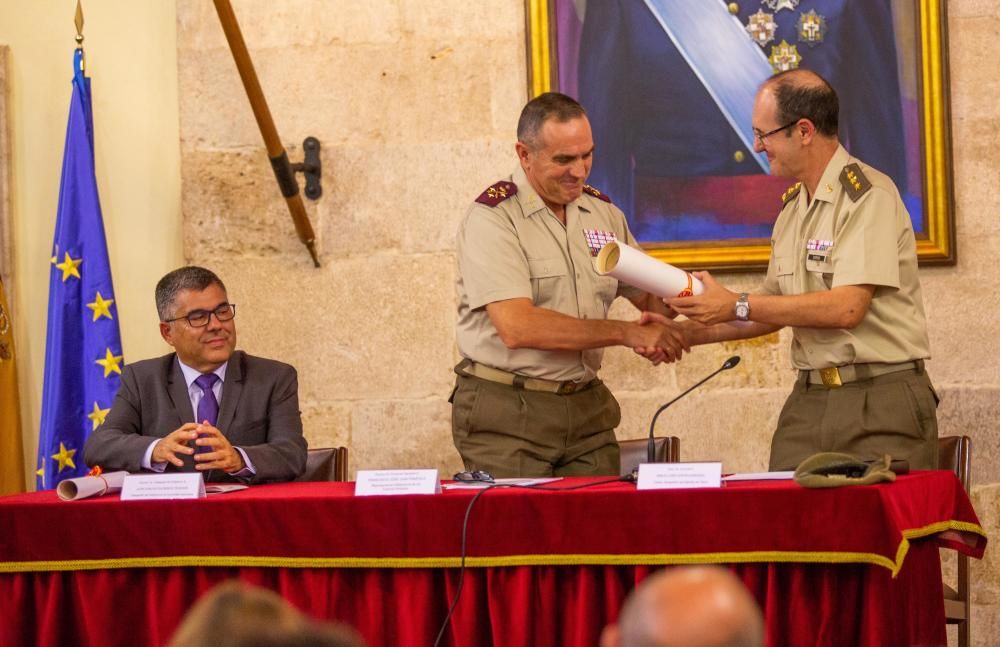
(790,193)
(589,190)
(497,193)
(854,181)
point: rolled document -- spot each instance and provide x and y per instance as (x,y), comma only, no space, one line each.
(86,486)
(645,272)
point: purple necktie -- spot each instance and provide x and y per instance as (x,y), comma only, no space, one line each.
(208,406)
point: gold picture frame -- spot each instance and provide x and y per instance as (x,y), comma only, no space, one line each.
(6,162)
(934,227)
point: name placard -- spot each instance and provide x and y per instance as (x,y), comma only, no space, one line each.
(146,487)
(672,476)
(371,482)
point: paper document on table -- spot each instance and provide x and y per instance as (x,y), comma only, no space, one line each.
(223,488)
(88,486)
(760,476)
(478,485)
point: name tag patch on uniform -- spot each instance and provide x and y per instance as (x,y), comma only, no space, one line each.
(818,250)
(597,239)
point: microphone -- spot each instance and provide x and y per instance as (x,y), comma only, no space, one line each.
(651,444)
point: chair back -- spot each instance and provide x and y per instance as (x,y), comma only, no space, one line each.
(955,454)
(634,452)
(325,464)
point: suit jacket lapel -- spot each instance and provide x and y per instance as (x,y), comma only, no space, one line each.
(232,389)
(178,391)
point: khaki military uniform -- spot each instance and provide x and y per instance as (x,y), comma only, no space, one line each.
(861,391)
(553,416)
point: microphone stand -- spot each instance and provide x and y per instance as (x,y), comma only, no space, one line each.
(651,443)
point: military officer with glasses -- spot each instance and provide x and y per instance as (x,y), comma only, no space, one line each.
(843,275)
(205,407)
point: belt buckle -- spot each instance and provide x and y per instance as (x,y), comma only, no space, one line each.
(566,388)
(831,376)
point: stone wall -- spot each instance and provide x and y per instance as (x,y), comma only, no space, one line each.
(415,104)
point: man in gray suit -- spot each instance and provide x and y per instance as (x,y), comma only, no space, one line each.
(206,407)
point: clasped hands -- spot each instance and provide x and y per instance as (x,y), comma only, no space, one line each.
(658,338)
(223,456)
(665,340)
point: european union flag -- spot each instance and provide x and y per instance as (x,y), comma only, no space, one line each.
(83,350)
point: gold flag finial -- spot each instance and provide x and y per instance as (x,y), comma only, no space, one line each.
(78,21)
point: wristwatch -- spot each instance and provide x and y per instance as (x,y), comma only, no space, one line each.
(743,307)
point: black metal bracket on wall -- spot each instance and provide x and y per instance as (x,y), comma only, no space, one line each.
(311,168)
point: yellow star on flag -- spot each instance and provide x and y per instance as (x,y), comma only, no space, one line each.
(65,457)
(41,471)
(110,363)
(100,307)
(69,267)
(97,416)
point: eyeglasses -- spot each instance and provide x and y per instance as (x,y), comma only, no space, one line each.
(762,136)
(200,318)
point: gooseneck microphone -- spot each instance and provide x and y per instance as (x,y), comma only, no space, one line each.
(651,444)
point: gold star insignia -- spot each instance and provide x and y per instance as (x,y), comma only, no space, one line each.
(100,307)
(41,471)
(65,457)
(110,363)
(69,267)
(98,415)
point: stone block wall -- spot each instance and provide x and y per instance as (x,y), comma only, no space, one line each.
(415,104)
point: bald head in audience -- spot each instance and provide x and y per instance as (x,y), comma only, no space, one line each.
(696,606)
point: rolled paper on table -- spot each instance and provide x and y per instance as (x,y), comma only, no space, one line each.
(640,270)
(87,486)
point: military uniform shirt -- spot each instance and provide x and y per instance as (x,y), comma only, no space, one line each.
(838,241)
(519,248)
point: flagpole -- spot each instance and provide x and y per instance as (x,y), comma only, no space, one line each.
(275,151)
(83,350)
(78,21)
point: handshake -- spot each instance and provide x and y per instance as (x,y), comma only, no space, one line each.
(661,339)
(658,338)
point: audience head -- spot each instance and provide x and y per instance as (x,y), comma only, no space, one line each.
(234,614)
(696,606)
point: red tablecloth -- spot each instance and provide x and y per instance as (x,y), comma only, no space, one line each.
(551,567)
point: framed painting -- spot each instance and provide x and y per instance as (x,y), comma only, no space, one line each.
(669,86)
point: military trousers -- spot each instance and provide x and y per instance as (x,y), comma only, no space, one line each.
(893,414)
(513,432)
